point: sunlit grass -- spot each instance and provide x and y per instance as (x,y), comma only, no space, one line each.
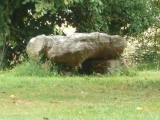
(80,98)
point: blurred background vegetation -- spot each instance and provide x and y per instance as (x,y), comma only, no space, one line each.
(136,20)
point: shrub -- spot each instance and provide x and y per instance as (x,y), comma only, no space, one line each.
(33,68)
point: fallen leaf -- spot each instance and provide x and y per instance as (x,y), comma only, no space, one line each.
(12,96)
(54,102)
(14,100)
(44,118)
(139,108)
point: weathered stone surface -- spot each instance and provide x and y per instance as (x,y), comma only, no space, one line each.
(76,48)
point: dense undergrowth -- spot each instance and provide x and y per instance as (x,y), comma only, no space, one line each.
(34,68)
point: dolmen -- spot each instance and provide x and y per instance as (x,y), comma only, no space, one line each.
(97,51)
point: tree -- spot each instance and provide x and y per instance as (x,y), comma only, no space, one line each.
(22,19)
(148,47)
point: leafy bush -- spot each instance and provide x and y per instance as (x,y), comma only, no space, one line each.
(49,68)
(33,68)
(21,20)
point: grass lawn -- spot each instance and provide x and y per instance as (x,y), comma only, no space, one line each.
(80,98)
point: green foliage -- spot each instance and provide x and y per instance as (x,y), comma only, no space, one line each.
(21,20)
(17,26)
(147,52)
(113,17)
(46,68)
(148,66)
(121,71)
(34,68)
(43,68)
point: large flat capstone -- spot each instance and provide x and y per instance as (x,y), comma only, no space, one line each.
(75,49)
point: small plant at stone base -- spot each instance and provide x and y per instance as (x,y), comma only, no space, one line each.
(120,70)
(64,69)
(48,65)
(32,67)
(54,67)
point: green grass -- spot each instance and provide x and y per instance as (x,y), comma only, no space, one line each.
(80,98)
